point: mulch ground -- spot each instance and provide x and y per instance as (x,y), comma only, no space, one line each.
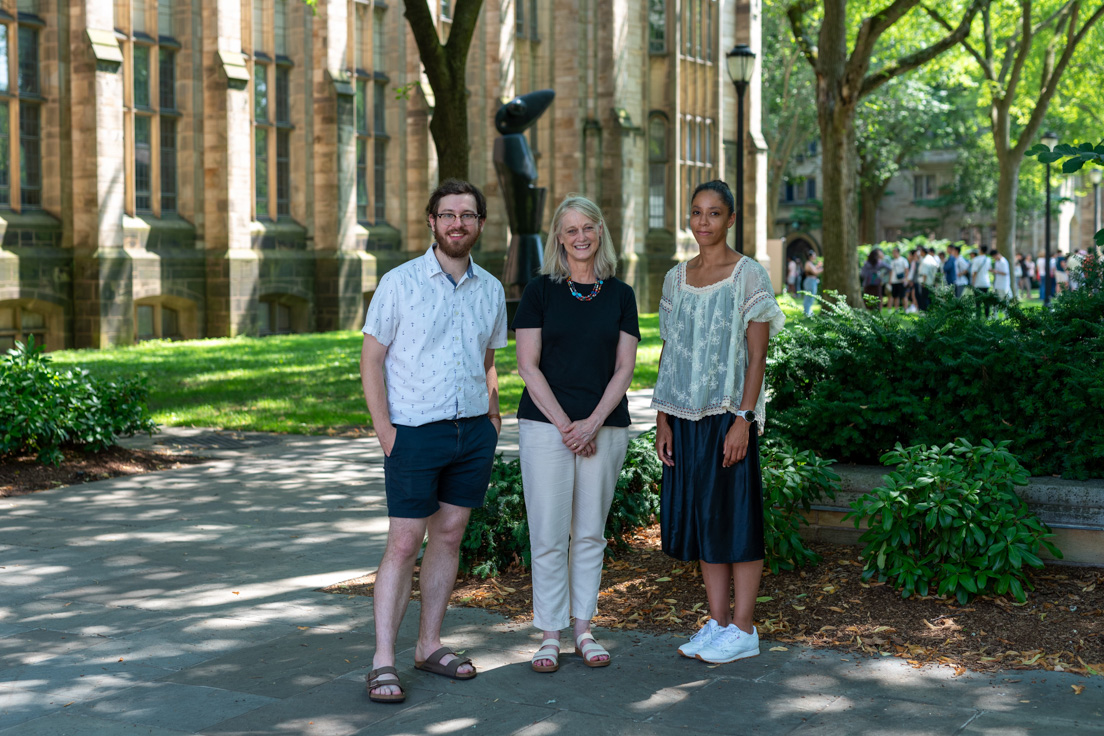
(22,475)
(1059,628)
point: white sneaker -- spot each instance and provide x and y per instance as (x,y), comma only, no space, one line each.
(730,644)
(699,640)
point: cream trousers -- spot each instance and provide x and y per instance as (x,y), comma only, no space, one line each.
(567,499)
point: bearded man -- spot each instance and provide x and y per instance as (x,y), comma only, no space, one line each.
(427,367)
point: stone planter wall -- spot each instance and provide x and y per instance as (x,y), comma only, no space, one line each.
(1074,510)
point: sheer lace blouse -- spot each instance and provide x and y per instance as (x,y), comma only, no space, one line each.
(704,330)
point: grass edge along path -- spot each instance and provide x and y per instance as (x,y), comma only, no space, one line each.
(300,384)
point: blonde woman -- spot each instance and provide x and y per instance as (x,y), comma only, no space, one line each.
(577,333)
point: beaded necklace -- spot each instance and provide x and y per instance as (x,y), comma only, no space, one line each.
(593,292)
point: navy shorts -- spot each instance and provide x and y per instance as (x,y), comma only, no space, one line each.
(448,461)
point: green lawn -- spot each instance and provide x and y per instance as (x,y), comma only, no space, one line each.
(294,383)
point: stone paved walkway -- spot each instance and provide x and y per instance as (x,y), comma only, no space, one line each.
(185,602)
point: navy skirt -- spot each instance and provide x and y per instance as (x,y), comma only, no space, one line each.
(709,512)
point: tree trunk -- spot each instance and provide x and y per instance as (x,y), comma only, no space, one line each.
(1008,186)
(445,67)
(868,214)
(449,128)
(840,178)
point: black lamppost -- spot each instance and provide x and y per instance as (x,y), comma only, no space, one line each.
(1050,140)
(1095,176)
(741,65)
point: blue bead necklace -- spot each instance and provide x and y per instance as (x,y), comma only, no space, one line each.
(593,292)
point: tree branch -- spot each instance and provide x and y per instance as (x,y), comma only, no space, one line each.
(430,50)
(796,15)
(911,61)
(874,25)
(982,60)
(1023,51)
(465,16)
(1047,93)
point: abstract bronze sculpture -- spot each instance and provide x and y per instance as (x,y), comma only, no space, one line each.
(517,176)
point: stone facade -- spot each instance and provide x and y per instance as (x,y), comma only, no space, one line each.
(226,167)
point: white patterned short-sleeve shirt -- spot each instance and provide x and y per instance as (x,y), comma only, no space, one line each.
(437,335)
(704,330)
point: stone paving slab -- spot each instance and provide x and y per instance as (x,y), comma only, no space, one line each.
(285,666)
(188,602)
(68,724)
(334,709)
(181,708)
(447,713)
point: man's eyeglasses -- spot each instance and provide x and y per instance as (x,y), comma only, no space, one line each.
(468,218)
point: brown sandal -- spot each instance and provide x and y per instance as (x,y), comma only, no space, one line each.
(432,664)
(374,682)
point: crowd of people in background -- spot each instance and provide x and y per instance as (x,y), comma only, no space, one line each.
(905,281)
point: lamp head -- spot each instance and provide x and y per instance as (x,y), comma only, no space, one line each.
(1050,139)
(741,63)
(1095,175)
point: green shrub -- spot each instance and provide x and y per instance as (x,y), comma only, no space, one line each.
(636,498)
(498,533)
(852,384)
(42,409)
(792,481)
(948,521)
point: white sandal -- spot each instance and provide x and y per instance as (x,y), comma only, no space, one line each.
(550,649)
(588,649)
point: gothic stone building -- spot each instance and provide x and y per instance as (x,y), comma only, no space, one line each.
(201,168)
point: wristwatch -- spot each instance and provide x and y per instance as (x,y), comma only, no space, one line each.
(748,415)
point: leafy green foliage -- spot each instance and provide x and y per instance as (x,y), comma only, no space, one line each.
(498,533)
(948,521)
(42,409)
(636,497)
(852,384)
(1075,158)
(792,481)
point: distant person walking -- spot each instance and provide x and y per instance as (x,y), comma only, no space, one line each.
(1002,276)
(1025,272)
(979,273)
(927,277)
(898,279)
(793,275)
(912,286)
(873,276)
(961,270)
(1061,275)
(813,269)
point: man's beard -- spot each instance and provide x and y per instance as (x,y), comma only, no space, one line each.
(453,248)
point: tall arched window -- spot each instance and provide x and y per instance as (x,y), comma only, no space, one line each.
(657,172)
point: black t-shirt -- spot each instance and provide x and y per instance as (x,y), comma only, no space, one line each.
(578,343)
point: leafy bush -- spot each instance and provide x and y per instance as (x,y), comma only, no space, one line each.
(852,384)
(636,498)
(948,520)
(498,533)
(792,481)
(42,409)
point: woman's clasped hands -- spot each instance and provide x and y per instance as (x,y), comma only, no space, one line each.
(579,436)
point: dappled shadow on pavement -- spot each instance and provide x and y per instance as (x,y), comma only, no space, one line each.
(186,602)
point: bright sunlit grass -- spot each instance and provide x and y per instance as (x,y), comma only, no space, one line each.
(288,383)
